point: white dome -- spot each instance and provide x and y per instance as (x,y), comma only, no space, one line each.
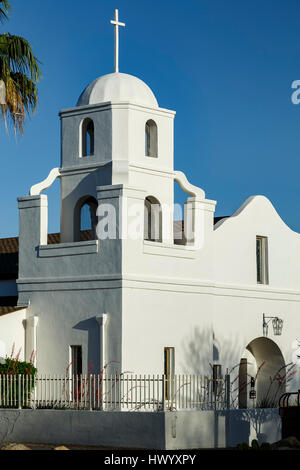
(117,87)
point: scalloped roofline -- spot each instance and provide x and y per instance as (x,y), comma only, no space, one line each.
(250,200)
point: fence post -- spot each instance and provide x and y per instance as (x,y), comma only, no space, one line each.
(19,391)
(227,391)
(32,405)
(90,390)
(163,391)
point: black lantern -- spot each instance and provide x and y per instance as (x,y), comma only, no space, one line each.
(277,325)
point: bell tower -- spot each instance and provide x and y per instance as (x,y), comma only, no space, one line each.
(116,134)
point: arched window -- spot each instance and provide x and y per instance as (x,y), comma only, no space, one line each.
(85,219)
(152,220)
(87,138)
(151,139)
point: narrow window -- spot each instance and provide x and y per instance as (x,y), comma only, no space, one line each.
(243,379)
(169,371)
(151,139)
(217,379)
(87,138)
(181,217)
(152,220)
(76,360)
(262,273)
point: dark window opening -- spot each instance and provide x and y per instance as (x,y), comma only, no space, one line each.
(76,360)
(87,138)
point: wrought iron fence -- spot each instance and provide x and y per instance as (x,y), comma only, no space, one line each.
(124,392)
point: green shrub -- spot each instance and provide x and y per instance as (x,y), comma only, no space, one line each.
(17,379)
(254,445)
(265,446)
(13,367)
(243,446)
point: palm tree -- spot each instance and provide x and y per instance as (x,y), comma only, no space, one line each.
(19,74)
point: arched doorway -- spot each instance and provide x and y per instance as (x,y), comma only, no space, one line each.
(262,360)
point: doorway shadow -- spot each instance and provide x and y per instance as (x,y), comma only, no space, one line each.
(93,349)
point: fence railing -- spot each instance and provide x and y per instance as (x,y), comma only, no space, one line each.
(124,392)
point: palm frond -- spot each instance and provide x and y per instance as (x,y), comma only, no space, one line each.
(4,9)
(27,90)
(19,74)
(19,55)
(15,105)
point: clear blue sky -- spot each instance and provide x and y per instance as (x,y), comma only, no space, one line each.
(226,67)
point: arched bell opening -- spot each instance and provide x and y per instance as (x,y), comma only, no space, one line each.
(85,219)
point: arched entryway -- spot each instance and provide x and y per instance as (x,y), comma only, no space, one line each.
(263,361)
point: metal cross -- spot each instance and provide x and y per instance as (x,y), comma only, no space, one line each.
(117,24)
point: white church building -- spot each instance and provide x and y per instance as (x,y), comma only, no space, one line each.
(119,286)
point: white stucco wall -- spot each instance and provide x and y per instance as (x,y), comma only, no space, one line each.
(203,300)
(12,333)
(141,430)
(235,239)
(184,302)
(154,319)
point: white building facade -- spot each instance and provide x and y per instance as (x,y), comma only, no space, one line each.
(119,292)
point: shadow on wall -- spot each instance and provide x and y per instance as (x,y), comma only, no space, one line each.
(226,353)
(93,357)
(201,350)
(197,352)
(253,423)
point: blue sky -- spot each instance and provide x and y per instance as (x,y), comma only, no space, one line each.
(226,67)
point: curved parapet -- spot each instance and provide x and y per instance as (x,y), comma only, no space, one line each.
(187,186)
(36,189)
(256,205)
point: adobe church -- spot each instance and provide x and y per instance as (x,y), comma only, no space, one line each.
(162,296)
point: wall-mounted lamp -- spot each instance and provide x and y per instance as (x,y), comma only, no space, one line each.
(277,325)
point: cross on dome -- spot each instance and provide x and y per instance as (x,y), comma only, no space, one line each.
(117,23)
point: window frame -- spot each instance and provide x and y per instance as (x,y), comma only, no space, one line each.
(151,139)
(83,150)
(169,370)
(262,260)
(71,355)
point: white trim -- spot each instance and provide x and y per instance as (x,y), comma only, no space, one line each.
(36,189)
(165,249)
(102,321)
(95,277)
(68,249)
(186,186)
(32,322)
(115,105)
(151,170)
(119,281)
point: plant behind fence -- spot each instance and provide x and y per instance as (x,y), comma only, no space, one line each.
(115,392)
